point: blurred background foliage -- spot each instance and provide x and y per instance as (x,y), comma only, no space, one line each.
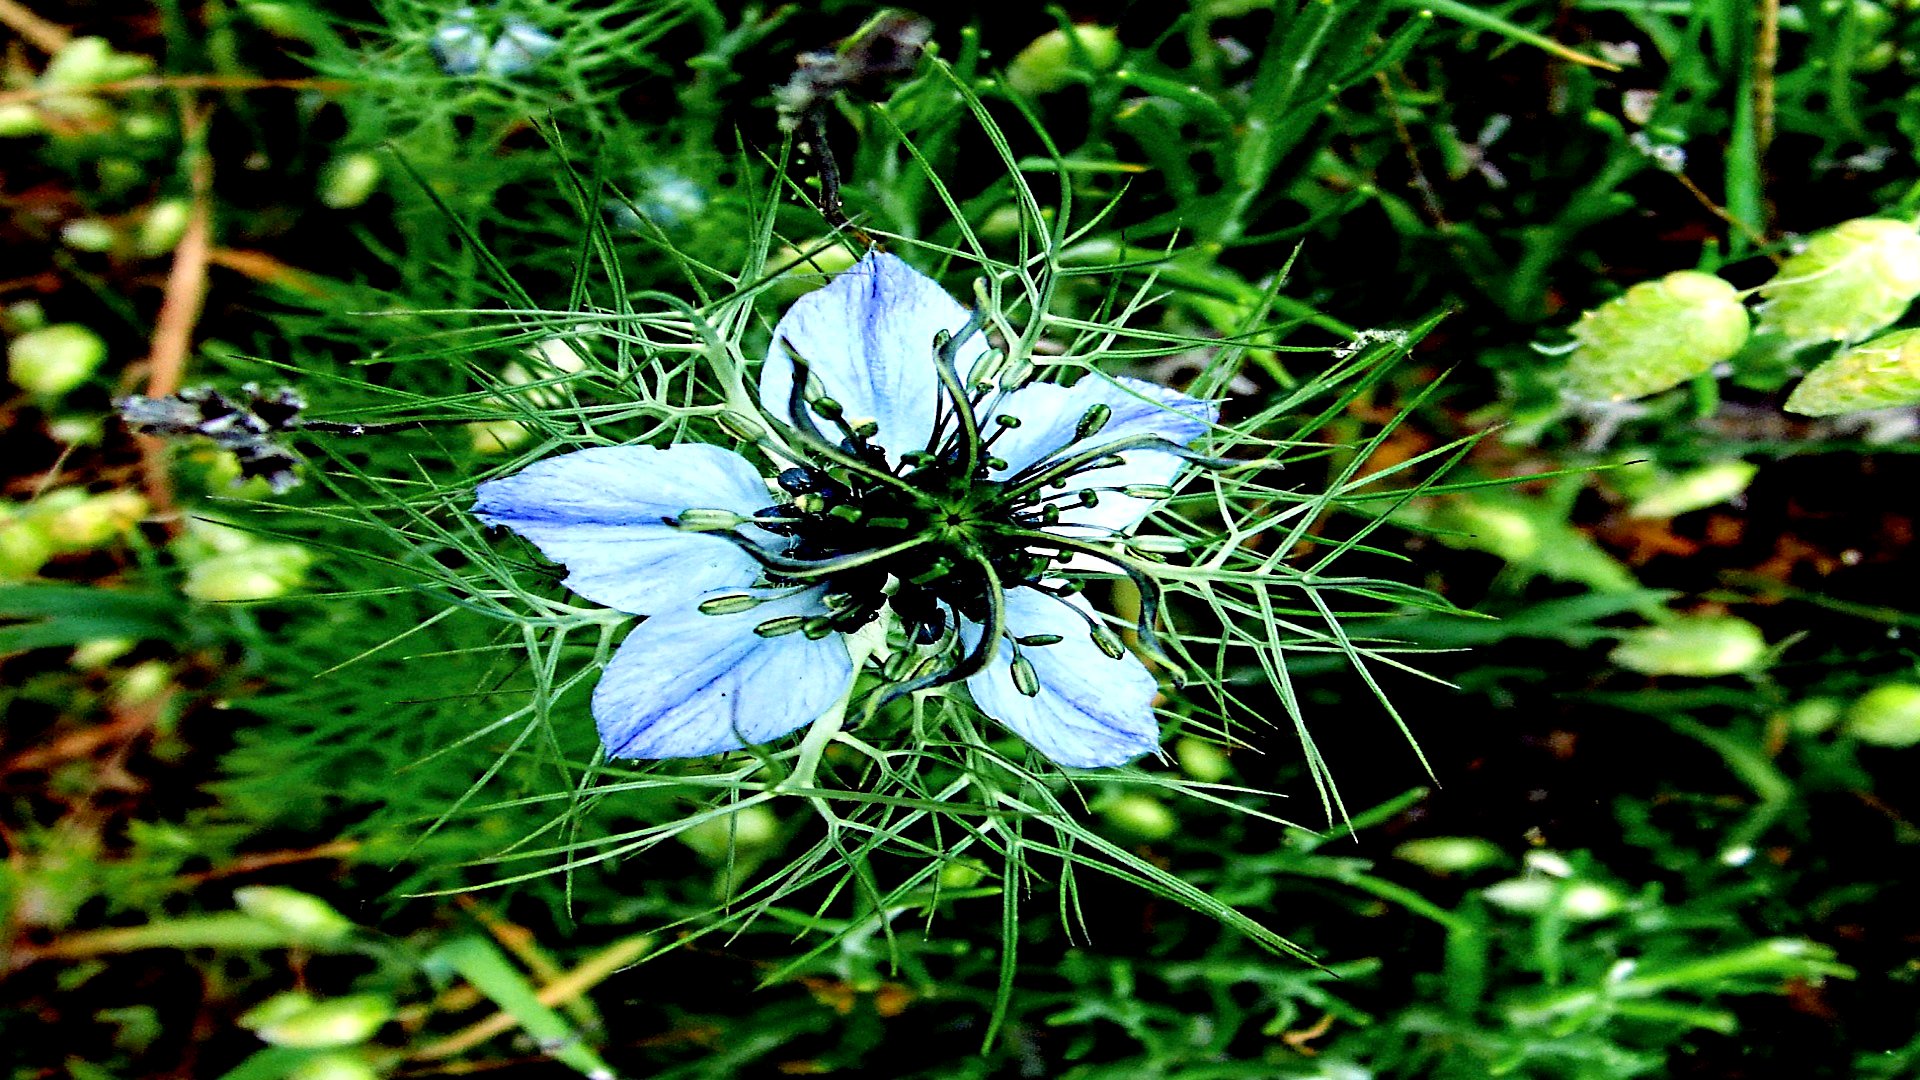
(1670,834)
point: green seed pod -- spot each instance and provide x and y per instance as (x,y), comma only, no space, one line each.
(1656,336)
(261,572)
(1815,715)
(1886,715)
(54,359)
(1050,61)
(306,918)
(1142,815)
(1451,854)
(1202,760)
(333,1067)
(348,180)
(745,833)
(296,1020)
(1848,282)
(962,873)
(1581,901)
(1673,494)
(1703,646)
(1882,374)
(162,228)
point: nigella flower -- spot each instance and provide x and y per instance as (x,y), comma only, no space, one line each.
(463,49)
(966,512)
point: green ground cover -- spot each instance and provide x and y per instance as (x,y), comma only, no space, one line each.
(1546,612)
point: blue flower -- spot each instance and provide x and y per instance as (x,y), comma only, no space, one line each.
(463,49)
(955,506)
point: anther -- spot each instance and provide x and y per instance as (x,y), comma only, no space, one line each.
(1037,640)
(848,513)
(1147,491)
(1089,497)
(1006,421)
(827,407)
(864,429)
(817,627)
(1092,421)
(1107,641)
(1158,545)
(706,520)
(785,624)
(729,605)
(810,503)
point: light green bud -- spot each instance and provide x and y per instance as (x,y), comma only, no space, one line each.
(54,359)
(142,684)
(1887,715)
(296,1020)
(1142,815)
(165,223)
(1696,489)
(25,547)
(100,652)
(142,126)
(962,873)
(1050,61)
(306,918)
(1202,760)
(88,234)
(497,436)
(1450,854)
(801,273)
(1582,901)
(1881,374)
(1846,283)
(1815,715)
(746,832)
(1488,526)
(76,521)
(20,120)
(349,180)
(90,61)
(334,1067)
(1702,645)
(1656,336)
(258,573)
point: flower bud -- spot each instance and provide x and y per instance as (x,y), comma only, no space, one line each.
(803,270)
(1703,646)
(142,684)
(1671,495)
(1482,524)
(1582,901)
(54,359)
(261,572)
(305,918)
(520,46)
(1815,715)
(90,61)
(1051,61)
(1142,815)
(97,653)
(76,521)
(1450,854)
(348,180)
(1887,715)
(1881,374)
(1202,760)
(962,873)
(88,234)
(1656,336)
(333,1067)
(19,120)
(747,831)
(1846,283)
(165,223)
(497,436)
(25,547)
(296,1020)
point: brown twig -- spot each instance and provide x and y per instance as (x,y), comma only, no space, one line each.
(126,724)
(1720,212)
(590,973)
(266,860)
(46,36)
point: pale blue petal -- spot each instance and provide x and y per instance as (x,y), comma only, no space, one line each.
(688,685)
(520,46)
(867,337)
(1092,710)
(1049,414)
(457,45)
(602,512)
